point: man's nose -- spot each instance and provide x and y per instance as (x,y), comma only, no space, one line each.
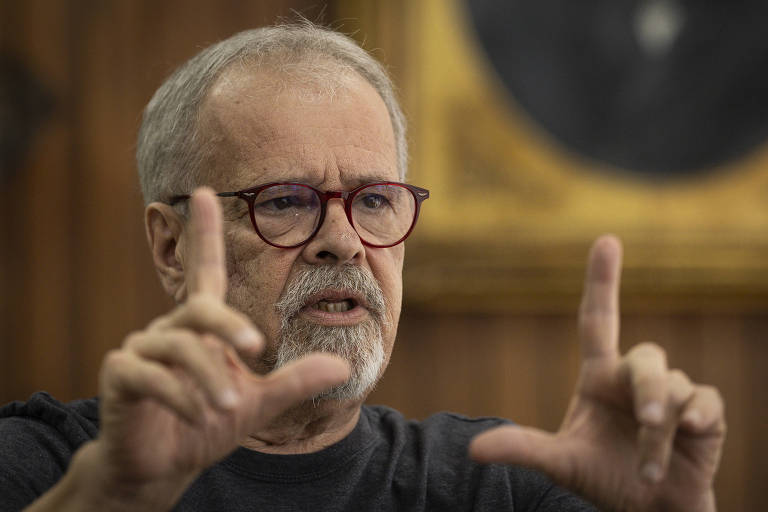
(337,242)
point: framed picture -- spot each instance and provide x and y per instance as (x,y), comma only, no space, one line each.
(519,189)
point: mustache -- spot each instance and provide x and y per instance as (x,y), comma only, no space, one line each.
(312,280)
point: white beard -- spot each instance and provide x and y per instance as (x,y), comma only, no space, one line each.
(361,345)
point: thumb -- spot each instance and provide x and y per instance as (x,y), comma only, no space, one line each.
(523,446)
(299,380)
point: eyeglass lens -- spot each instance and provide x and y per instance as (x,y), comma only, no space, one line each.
(287,215)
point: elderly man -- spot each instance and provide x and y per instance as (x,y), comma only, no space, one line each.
(248,395)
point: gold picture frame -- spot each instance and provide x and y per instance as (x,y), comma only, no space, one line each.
(512,212)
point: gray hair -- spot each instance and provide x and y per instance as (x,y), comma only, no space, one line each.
(170,149)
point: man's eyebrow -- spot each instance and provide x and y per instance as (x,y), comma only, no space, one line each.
(356,181)
(349,181)
(281,179)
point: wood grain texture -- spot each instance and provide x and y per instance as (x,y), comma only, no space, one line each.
(524,367)
(76,273)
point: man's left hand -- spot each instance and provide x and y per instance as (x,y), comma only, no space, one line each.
(637,435)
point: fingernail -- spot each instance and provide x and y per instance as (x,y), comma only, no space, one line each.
(652,413)
(228,398)
(692,417)
(248,338)
(651,472)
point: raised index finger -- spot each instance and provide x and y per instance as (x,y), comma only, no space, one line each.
(599,312)
(207,270)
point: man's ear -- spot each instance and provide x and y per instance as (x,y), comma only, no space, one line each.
(165,228)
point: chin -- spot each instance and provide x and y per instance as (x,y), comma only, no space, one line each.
(361,345)
(364,378)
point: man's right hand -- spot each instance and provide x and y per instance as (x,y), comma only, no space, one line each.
(176,397)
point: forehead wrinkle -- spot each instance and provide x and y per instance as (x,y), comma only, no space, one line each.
(300,163)
(241,125)
(237,168)
(265,144)
(249,149)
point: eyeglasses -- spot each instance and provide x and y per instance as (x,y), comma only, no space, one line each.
(288,215)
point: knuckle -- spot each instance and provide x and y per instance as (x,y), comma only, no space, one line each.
(649,384)
(592,325)
(181,338)
(195,306)
(213,344)
(711,399)
(202,310)
(133,339)
(652,440)
(114,366)
(679,377)
(163,321)
(591,318)
(170,343)
(713,393)
(189,349)
(113,358)
(239,317)
(681,388)
(649,350)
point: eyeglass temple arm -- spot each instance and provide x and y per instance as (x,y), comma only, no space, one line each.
(184,197)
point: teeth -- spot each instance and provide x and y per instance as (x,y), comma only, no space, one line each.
(334,307)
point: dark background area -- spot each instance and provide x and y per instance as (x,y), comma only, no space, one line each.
(667,102)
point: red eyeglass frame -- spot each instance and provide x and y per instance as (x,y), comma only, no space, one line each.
(249,196)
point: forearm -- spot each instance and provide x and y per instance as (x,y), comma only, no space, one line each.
(87,486)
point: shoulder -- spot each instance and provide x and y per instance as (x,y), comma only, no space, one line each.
(37,439)
(73,422)
(43,407)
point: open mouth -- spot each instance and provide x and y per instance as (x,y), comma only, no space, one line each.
(334,306)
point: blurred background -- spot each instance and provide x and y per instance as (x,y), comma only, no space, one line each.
(536,125)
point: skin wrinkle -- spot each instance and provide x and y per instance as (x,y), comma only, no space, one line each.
(253,137)
(169,151)
(301,157)
(241,143)
(332,145)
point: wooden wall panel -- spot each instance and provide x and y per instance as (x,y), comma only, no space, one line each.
(76,275)
(36,260)
(524,367)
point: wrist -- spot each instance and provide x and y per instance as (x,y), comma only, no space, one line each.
(704,502)
(91,484)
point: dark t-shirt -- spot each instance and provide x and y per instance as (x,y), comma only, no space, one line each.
(385,463)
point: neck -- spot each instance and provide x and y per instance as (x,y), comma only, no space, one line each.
(306,428)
